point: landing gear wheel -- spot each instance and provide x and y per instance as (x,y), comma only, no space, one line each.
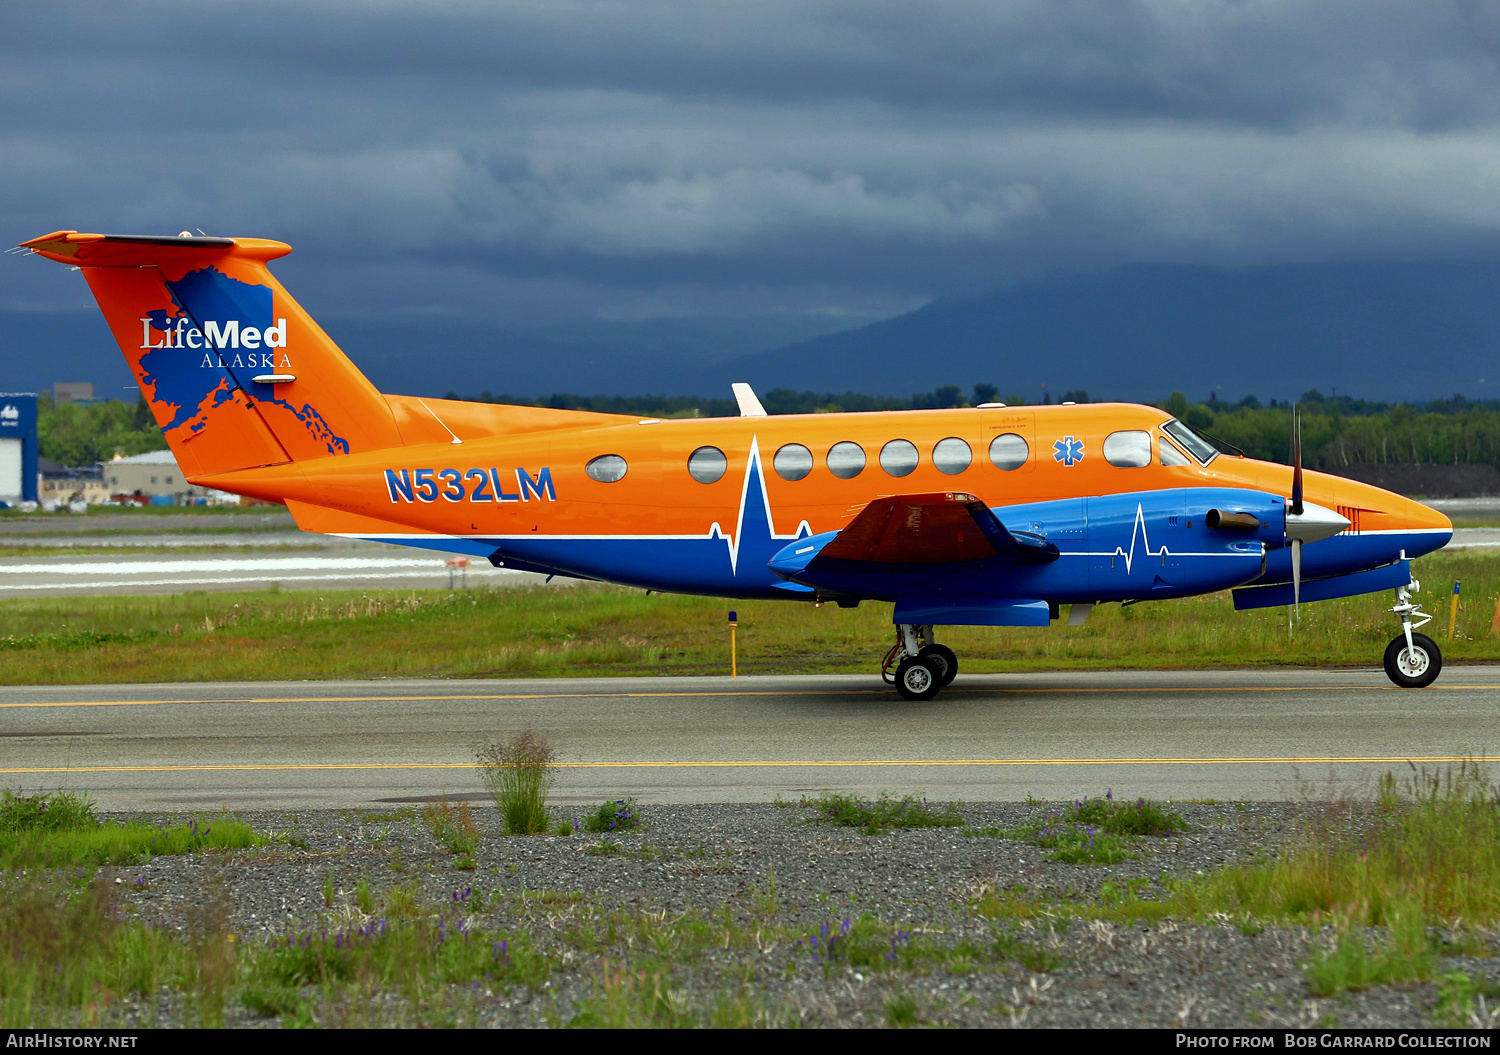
(943,661)
(1416,667)
(917,679)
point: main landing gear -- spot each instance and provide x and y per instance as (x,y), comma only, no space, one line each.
(1412,660)
(922,666)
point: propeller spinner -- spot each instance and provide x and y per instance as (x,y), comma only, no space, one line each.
(1305,521)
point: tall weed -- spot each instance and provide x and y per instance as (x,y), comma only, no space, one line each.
(518,774)
(452,825)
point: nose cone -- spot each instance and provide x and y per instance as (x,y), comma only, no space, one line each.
(1430,529)
(1419,529)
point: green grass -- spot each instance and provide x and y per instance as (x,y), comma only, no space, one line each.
(1427,850)
(400,953)
(881,815)
(1093,831)
(58,829)
(1431,847)
(621,815)
(901,1011)
(588,630)
(1406,953)
(70,959)
(867,944)
(634,999)
(1458,999)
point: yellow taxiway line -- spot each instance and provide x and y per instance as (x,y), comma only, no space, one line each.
(767,764)
(1102,691)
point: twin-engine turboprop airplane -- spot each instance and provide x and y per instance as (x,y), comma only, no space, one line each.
(991,516)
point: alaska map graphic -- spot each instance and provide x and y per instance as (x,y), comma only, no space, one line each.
(196,380)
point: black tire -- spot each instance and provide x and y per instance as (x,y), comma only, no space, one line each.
(917,679)
(1416,670)
(943,661)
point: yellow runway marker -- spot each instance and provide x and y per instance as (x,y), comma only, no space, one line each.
(765,764)
(758,693)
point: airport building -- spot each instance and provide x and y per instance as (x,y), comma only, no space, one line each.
(18,447)
(58,485)
(154,474)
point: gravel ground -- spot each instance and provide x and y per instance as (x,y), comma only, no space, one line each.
(773,880)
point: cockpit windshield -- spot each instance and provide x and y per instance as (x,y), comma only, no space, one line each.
(1195,444)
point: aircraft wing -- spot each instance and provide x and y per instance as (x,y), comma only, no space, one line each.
(939,528)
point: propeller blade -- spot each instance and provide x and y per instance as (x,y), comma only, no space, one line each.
(1296,461)
(1297,575)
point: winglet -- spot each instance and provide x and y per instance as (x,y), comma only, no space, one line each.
(745,396)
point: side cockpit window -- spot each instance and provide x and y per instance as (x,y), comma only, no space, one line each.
(1191,442)
(1128,450)
(1170,455)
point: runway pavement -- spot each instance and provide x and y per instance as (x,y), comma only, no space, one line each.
(86,574)
(1225,735)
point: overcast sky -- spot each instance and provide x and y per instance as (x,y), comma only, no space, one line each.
(553,160)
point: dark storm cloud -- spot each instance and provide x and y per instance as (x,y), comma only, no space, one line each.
(643,157)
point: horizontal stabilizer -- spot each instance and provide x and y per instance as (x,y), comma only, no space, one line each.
(135,250)
(1374,581)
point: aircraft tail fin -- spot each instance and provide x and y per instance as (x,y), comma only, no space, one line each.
(237,374)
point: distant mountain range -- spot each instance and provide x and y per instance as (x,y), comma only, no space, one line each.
(1386,331)
(429,356)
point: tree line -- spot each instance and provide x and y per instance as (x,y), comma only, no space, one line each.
(1338,431)
(79,434)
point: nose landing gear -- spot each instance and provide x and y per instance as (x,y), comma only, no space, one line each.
(922,666)
(1412,661)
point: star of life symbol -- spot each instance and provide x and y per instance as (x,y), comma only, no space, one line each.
(1068,451)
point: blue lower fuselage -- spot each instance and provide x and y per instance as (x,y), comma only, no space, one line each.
(1117,547)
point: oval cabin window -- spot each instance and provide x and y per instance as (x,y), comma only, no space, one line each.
(793,462)
(846,460)
(952,455)
(899,457)
(1128,450)
(707,465)
(1009,451)
(607,468)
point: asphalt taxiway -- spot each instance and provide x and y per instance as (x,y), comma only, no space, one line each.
(1225,735)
